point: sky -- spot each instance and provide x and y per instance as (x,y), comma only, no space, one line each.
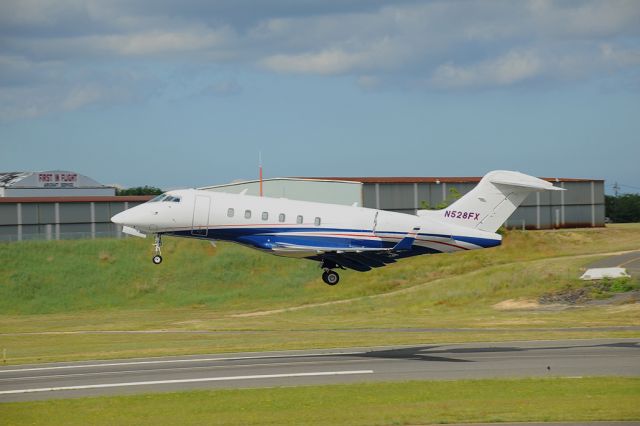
(189,93)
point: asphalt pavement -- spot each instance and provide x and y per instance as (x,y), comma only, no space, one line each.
(566,358)
(630,261)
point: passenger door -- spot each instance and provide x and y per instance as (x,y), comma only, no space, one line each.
(200,223)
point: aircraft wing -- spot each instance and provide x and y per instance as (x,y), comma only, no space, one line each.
(293,248)
(358,258)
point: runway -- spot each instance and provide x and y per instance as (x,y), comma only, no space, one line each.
(566,358)
(630,261)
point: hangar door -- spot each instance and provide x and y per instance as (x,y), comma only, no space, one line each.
(200,224)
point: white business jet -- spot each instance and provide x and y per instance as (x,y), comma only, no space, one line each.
(336,236)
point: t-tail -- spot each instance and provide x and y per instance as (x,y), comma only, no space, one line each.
(487,206)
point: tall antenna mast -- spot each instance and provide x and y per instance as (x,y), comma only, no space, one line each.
(260,167)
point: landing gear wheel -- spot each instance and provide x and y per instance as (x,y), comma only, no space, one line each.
(330,277)
(157,259)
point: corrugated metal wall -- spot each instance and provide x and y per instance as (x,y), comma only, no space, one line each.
(582,205)
(60,220)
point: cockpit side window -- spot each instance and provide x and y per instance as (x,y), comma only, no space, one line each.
(168,199)
(158,198)
(176,199)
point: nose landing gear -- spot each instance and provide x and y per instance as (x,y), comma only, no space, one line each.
(157,258)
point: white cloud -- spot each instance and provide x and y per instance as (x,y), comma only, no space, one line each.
(379,55)
(453,45)
(329,61)
(505,70)
(585,18)
(136,44)
(618,57)
(159,42)
(31,89)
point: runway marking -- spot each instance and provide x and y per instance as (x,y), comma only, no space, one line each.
(181,369)
(167,361)
(203,379)
(628,261)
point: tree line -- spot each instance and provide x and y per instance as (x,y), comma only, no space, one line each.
(622,208)
(139,190)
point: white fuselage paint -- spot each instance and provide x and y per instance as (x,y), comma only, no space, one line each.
(338,225)
(338,236)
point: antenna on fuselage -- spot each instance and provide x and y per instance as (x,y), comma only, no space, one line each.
(260,168)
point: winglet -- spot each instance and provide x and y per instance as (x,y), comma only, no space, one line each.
(407,242)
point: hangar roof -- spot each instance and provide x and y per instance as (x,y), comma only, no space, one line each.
(87,199)
(419,179)
(47,179)
(9,178)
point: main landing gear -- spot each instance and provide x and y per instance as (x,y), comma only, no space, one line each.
(330,276)
(157,258)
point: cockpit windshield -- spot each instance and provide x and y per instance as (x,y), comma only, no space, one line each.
(158,198)
(165,198)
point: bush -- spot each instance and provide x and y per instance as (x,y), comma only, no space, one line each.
(140,190)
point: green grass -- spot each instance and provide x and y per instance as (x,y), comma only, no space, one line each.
(401,403)
(111,285)
(76,276)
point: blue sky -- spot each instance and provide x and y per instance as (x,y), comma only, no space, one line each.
(181,94)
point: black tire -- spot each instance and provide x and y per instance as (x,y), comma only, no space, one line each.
(157,259)
(330,277)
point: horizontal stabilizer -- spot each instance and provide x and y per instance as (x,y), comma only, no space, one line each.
(407,242)
(534,186)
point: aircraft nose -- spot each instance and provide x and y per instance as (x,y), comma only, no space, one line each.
(119,218)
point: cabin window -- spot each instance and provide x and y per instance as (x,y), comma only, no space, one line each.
(230,212)
(317,221)
(299,219)
(265,216)
(281,217)
(247,214)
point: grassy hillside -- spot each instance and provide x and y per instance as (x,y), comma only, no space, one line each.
(68,276)
(56,298)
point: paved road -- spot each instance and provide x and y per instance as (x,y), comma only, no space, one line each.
(631,261)
(571,358)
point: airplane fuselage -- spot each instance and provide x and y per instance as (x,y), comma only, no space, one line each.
(337,236)
(274,224)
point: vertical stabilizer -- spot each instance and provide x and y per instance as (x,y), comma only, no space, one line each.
(487,206)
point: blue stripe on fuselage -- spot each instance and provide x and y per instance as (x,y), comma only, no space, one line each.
(482,242)
(266,237)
